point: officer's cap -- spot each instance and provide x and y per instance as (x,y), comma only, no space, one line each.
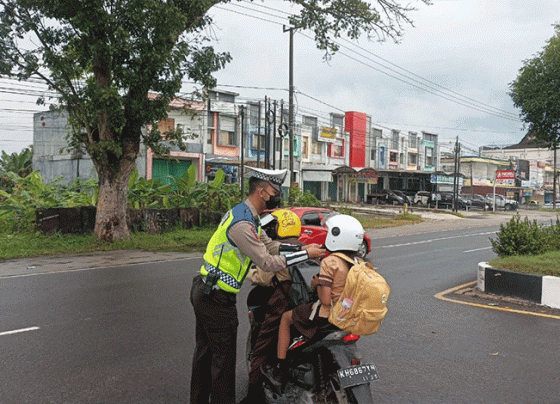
(274,177)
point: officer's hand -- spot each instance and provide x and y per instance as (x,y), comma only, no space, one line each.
(315,251)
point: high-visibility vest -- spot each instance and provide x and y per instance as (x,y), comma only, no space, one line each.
(223,256)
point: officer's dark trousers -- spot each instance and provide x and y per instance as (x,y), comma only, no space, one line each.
(213,368)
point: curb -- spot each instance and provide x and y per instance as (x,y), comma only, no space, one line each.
(541,289)
(442,296)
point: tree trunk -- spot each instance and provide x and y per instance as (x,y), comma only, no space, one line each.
(110,222)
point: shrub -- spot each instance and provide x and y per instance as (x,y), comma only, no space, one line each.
(297,198)
(521,237)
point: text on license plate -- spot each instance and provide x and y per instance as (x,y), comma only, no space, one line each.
(360,374)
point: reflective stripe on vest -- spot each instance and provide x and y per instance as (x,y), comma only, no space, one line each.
(233,264)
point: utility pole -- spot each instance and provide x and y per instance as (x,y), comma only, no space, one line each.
(554,177)
(280,132)
(291,104)
(242,113)
(274,139)
(266,133)
(455,172)
(259,138)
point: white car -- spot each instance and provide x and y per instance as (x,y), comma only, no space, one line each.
(548,205)
(502,202)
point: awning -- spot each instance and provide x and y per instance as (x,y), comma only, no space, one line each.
(317,176)
(344,170)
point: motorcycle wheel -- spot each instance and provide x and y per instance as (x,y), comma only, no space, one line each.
(352,395)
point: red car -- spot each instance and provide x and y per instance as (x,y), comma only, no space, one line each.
(313,229)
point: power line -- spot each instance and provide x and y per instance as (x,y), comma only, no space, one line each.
(463,100)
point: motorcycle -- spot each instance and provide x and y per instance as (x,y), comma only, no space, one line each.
(325,369)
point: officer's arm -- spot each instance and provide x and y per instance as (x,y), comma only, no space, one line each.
(245,237)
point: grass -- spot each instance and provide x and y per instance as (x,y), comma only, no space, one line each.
(402,219)
(543,264)
(36,244)
(27,244)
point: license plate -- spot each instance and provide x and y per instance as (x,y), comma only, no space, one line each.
(355,375)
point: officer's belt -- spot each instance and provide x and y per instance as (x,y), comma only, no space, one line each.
(225,278)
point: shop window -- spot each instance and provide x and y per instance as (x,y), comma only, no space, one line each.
(337,149)
(226,134)
(316,148)
(429,157)
(257,142)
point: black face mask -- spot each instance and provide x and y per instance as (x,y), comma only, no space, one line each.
(274,202)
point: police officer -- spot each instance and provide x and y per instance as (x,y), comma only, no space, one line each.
(237,242)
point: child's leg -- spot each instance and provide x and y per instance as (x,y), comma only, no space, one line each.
(284,334)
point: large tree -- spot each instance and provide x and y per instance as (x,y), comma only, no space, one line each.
(102,57)
(536,91)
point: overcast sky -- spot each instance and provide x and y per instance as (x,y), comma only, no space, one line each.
(465,48)
(462,50)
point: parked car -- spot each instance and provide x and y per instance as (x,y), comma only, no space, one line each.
(476,201)
(313,229)
(548,205)
(443,200)
(408,199)
(386,197)
(502,202)
(422,198)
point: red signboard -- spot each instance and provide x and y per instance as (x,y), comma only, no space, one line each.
(505,174)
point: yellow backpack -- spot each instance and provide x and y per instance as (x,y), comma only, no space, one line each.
(363,303)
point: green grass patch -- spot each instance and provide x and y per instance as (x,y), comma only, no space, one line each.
(543,264)
(28,244)
(370,222)
(36,244)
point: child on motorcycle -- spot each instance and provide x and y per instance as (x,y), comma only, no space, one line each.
(285,226)
(345,235)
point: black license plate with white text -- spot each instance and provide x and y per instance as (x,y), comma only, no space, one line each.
(355,375)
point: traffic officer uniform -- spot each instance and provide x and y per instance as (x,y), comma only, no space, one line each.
(237,241)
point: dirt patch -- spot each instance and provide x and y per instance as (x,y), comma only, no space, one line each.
(471,294)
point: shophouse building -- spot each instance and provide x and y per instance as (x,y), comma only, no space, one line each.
(534,167)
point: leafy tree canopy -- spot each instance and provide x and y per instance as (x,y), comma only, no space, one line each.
(536,90)
(103,57)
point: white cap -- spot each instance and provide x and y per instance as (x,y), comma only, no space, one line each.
(274,177)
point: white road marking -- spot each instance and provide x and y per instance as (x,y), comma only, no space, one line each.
(478,249)
(434,239)
(18,331)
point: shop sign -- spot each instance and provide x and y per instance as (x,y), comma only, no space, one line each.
(505,175)
(222,107)
(445,179)
(327,134)
(428,143)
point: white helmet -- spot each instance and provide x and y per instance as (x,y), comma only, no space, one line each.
(344,233)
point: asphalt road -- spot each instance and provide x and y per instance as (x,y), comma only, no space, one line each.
(125,334)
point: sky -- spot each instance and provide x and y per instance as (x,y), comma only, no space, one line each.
(449,74)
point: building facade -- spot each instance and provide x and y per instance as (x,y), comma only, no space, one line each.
(340,158)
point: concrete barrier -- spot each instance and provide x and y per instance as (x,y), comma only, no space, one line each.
(541,289)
